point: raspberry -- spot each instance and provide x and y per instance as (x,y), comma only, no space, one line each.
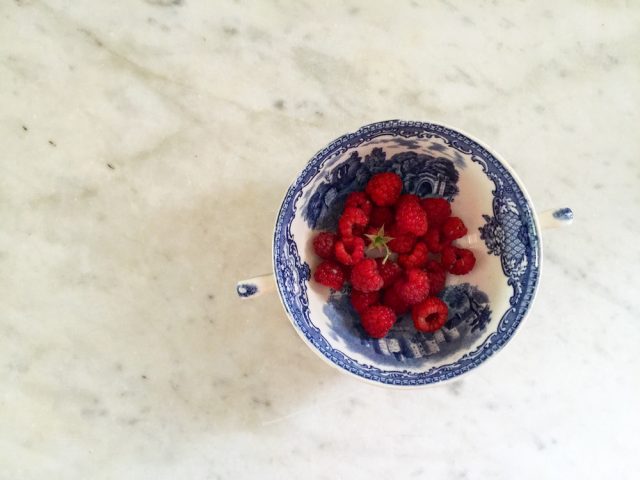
(408,197)
(437,277)
(389,271)
(458,261)
(402,242)
(377,320)
(416,259)
(419,231)
(323,244)
(352,222)
(384,188)
(436,240)
(430,315)
(350,250)
(392,300)
(359,200)
(365,276)
(410,217)
(361,300)
(413,286)
(381,216)
(454,228)
(330,274)
(437,209)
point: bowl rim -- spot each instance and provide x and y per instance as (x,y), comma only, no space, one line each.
(532,295)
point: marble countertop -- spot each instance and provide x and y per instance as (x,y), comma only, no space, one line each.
(146,145)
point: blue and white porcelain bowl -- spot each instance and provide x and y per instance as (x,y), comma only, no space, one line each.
(486,306)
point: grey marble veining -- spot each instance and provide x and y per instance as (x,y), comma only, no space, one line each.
(146,146)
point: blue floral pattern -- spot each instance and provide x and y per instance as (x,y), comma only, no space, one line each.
(423,175)
(469,314)
(506,236)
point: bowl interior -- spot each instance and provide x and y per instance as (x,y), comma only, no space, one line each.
(485,306)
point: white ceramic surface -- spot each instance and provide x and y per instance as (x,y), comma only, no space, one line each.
(122,350)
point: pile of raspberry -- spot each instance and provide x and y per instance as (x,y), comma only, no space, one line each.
(395,250)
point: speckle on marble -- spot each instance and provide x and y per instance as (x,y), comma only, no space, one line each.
(146,148)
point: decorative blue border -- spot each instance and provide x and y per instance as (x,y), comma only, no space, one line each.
(292,274)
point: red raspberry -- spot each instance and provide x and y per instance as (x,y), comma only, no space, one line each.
(377,320)
(436,240)
(437,277)
(384,188)
(416,259)
(361,300)
(410,217)
(438,210)
(458,260)
(323,244)
(408,197)
(454,228)
(402,242)
(381,216)
(392,299)
(330,274)
(430,315)
(365,276)
(350,250)
(413,286)
(389,271)
(352,222)
(359,200)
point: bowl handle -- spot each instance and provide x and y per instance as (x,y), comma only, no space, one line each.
(558,217)
(256,286)
(253,287)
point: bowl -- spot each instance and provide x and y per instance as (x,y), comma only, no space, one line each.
(486,306)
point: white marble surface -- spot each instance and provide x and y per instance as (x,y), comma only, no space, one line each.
(145,146)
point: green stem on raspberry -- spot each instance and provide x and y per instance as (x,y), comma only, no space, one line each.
(379,240)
